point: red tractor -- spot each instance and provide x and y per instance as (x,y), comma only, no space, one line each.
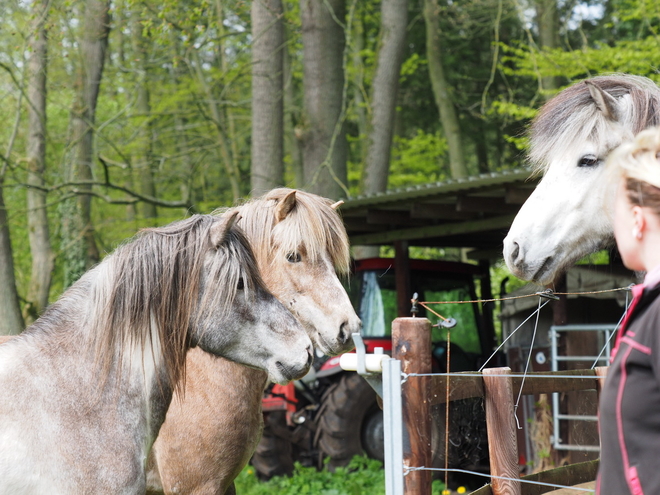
(334,414)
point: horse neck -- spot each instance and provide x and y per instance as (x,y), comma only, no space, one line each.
(62,337)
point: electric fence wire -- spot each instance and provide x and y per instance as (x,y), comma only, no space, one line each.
(525,373)
(408,470)
(616,330)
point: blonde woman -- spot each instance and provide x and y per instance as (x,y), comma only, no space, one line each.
(630,402)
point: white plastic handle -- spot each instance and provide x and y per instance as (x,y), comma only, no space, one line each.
(373,362)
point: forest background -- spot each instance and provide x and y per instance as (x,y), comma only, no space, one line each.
(130,113)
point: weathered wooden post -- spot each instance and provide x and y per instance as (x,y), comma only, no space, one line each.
(501,425)
(411,344)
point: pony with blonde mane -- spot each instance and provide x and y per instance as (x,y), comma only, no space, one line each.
(211,431)
(85,389)
(564,219)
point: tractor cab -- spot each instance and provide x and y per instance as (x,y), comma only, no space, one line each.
(448,284)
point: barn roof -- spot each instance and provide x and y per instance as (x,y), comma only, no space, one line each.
(475,212)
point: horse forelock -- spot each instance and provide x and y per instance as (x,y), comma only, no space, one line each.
(312,224)
(150,288)
(571,116)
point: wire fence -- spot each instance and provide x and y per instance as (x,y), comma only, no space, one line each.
(525,383)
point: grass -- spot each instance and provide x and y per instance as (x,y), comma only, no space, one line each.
(361,477)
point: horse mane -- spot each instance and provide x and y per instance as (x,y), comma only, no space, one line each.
(149,288)
(571,116)
(311,224)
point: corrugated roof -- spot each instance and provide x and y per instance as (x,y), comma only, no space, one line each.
(438,188)
(473,212)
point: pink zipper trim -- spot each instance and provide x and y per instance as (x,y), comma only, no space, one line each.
(636,345)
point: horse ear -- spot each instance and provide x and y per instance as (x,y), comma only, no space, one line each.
(336,205)
(284,206)
(605,102)
(220,229)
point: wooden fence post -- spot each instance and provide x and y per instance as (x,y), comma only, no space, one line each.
(501,425)
(411,344)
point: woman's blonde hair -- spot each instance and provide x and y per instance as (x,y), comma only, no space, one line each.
(637,162)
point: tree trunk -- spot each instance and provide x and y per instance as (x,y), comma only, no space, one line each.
(358,88)
(11,321)
(79,246)
(292,144)
(143,161)
(394,15)
(267,96)
(37,215)
(441,90)
(220,123)
(547,19)
(325,148)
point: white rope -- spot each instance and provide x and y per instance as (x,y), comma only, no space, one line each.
(616,330)
(508,375)
(476,473)
(512,333)
(529,358)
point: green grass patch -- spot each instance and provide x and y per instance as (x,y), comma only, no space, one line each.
(362,476)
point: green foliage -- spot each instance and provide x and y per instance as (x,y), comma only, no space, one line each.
(640,57)
(418,160)
(362,476)
(198,52)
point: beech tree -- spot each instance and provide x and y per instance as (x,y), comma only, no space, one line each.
(80,250)
(267,169)
(37,213)
(442,91)
(323,135)
(394,16)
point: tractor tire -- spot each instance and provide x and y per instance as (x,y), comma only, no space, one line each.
(349,422)
(274,454)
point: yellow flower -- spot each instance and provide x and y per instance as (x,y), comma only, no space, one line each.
(461,489)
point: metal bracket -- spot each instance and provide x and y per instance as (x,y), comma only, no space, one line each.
(414,310)
(375,380)
(447,323)
(361,352)
(548,294)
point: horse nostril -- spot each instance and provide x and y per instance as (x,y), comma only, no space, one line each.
(516,251)
(344,334)
(310,356)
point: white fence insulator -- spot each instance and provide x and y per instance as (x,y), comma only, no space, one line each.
(373,362)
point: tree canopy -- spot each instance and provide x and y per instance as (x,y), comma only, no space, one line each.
(148,110)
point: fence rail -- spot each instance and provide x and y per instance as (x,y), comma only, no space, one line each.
(421,390)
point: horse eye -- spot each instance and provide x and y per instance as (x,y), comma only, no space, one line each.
(294,257)
(241,284)
(588,161)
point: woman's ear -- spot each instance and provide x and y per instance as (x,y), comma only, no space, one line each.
(640,222)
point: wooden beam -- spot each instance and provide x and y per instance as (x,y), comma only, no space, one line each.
(482,204)
(438,211)
(570,475)
(411,344)
(461,387)
(431,231)
(501,425)
(543,382)
(387,217)
(517,195)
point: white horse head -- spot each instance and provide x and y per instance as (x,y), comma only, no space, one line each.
(565,219)
(301,244)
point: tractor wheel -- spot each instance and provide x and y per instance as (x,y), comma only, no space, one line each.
(273,455)
(350,422)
